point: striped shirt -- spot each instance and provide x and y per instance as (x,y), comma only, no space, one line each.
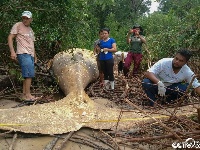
(25,38)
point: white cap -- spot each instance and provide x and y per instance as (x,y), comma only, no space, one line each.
(27,14)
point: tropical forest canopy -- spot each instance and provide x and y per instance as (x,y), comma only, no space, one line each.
(63,24)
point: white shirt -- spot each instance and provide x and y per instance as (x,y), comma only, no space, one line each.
(118,55)
(164,72)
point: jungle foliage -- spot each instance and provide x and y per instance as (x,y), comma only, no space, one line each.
(63,24)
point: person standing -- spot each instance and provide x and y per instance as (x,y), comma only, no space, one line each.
(119,58)
(25,51)
(108,46)
(96,52)
(135,39)
(170,77)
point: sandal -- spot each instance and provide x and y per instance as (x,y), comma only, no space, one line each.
(31,99)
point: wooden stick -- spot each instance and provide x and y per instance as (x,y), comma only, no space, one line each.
(5,133)
(118,148)
(103,141)
(186,134)
(85,141)
(64,141)
(51,144)
(186,92)
(13,141)
(162,124)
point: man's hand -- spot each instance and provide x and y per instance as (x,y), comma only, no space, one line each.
(161,89)
(97,49)
(35,59)
(13,56)
(130,31)
(197,90)
(137,32)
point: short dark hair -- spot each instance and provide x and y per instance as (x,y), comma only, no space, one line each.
(100,31)
(138,26)
(106,29)
(185,53)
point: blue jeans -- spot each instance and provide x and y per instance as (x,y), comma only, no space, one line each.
(26,62)
(172,93)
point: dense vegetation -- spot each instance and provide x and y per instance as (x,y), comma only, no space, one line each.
(63,24)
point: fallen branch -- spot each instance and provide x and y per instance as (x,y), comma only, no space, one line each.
(182,98)
(145,139)
(103,141)
(162,124)
(5,133)
(13,141)
(64,141)
(51,144)
(118,148)
(87,143)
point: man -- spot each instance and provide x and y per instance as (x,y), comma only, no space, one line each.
(135,39)
(96,52)
(119,57)
(167,77)
(25,53)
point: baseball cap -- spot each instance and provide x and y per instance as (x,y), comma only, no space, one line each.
(27,14)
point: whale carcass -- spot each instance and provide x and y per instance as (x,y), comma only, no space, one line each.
(74,70)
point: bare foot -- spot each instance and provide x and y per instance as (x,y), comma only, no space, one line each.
(29,97)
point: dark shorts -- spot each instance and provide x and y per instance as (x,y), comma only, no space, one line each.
(26,62)
(120,66)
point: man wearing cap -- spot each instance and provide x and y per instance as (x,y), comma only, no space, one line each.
(135,39)
(25,51)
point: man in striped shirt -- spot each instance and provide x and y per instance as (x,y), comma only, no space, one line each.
(25,51)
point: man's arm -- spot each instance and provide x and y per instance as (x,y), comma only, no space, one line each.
(113,49)
(161,86)
(142,39)
(128,40)
(122,57)
(151,76)
(96,50)
(96,47)
(197,90)
(10,44)
(35,57)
